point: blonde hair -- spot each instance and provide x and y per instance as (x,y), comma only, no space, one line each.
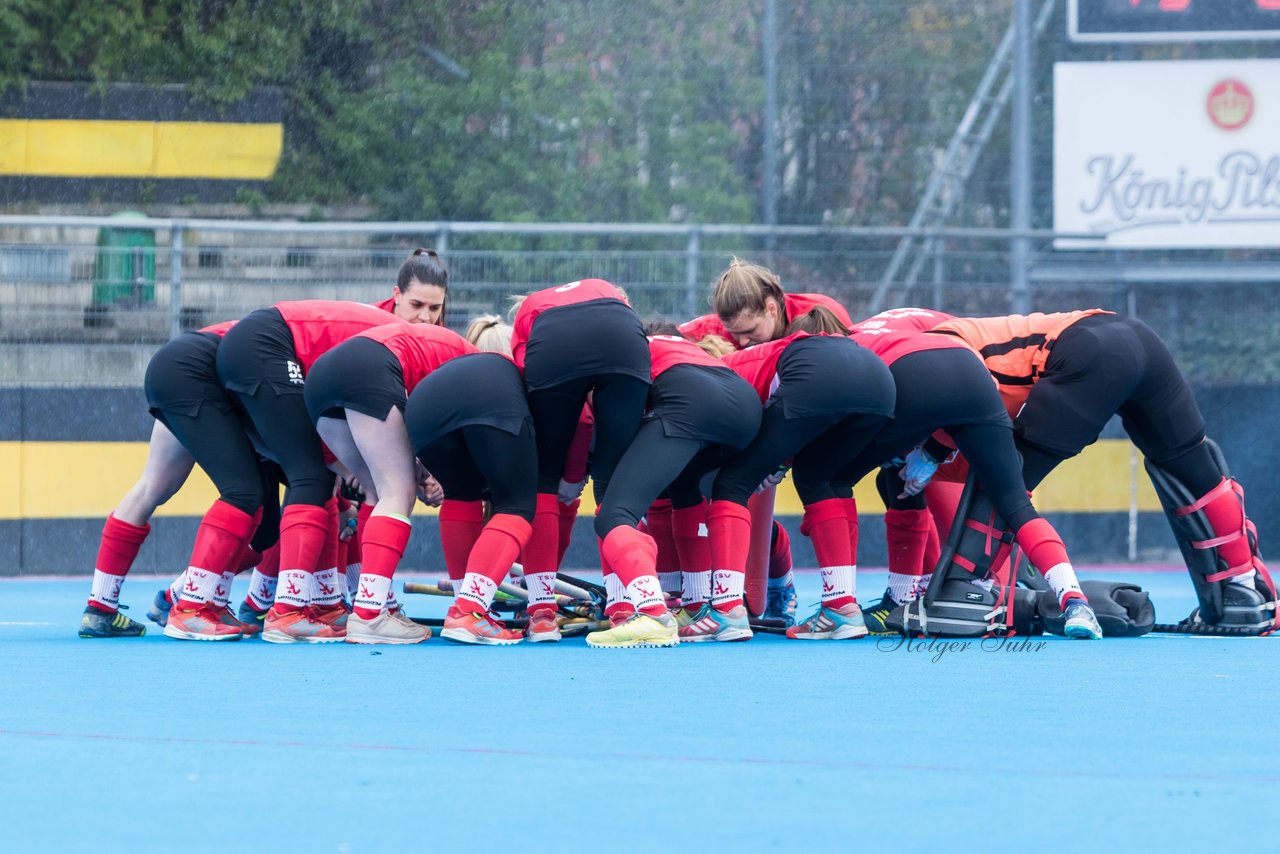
(818,320)
(489,334)
(746,287)
(716,346)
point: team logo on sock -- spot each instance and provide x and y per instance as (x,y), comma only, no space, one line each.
(291,588)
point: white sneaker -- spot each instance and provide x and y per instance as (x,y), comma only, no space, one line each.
(387,627)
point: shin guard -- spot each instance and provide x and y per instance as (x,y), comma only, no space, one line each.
(1216,553)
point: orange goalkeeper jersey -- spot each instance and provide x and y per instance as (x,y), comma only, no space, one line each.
(1014,347)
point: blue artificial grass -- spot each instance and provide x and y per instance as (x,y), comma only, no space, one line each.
(1156,743)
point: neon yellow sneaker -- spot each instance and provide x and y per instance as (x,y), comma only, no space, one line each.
(640,630)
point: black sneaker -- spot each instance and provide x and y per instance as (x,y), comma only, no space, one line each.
(877,614)
(100,624)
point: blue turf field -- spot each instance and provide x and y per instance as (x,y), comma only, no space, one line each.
(1161,743)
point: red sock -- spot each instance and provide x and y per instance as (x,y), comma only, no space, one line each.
(850,506)
(780,552)
(303,528)
(540,551)
(932,547)
(661,523)
(116,553)
(222,534)
(827,524)
(617,605)
(497,548)
(566,515)
(729,528)
(119,546)
(460,526)
(270,563)
(385,538)
(329,554)
(907,536)
(692,550)
(633,556)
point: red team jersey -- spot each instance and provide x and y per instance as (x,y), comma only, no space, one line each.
(902,320)
(758,365)
(667,351)
(537,302)
(419,347)
(219,329)
(318,325)
(892,346)
(793,306)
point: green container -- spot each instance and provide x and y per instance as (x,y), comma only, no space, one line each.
(124,267)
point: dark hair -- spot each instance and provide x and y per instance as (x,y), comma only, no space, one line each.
(818,320)
(661,326)
(425,266)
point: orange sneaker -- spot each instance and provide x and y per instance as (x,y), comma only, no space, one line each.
(332,615)
(204,623)
(543,626)
(300,627)
(478,628)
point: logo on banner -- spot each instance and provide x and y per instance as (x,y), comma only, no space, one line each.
(1230,104)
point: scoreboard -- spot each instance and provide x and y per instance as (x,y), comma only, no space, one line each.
(1172,20)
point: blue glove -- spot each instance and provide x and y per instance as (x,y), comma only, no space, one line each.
(917,472)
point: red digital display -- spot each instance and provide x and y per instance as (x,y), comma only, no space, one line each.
(1173,20)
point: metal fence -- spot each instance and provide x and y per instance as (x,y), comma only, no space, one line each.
(75,281)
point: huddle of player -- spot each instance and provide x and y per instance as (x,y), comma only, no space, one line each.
(360,414)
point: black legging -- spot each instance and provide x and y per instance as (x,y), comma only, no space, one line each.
(257,364)
(818,444)
(698,416)
(617,406)
(1105,365)
(478,461)
(833,396)
(952,390)
(184,393)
